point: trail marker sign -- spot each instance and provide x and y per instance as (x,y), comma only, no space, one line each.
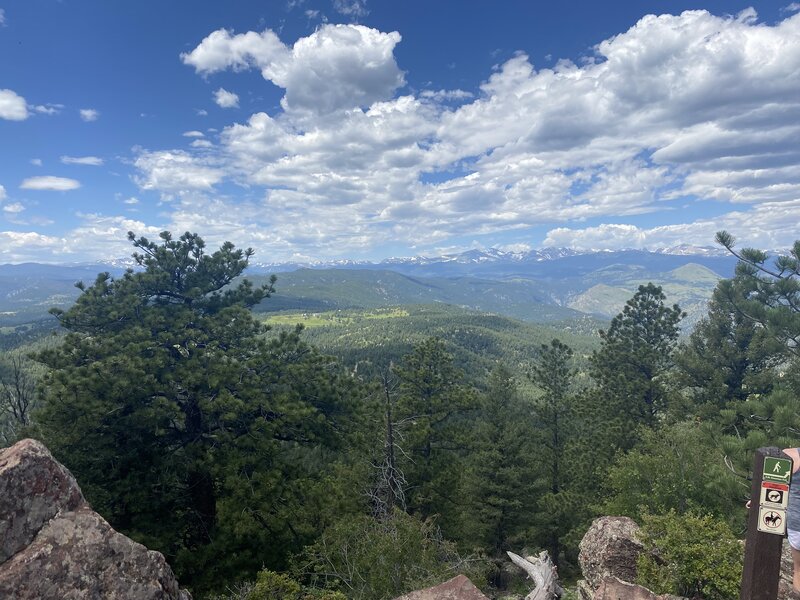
(777,469)
(772,520)
(766,523)
(774,495)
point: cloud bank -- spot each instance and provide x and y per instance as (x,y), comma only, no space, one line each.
(678,109)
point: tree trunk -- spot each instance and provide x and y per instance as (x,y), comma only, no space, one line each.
(543,573)
(200,484)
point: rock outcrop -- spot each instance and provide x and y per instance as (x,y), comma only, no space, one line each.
(458,588)
(34,488)
(610,548)
(54,546)
(608,555)
(612,588)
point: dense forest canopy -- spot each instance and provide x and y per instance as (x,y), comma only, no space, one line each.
(434,439)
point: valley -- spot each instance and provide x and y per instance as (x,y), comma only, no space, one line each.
(542,287)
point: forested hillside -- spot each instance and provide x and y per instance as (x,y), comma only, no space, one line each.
(479,341)
(315,290)
(538,289)
(368,451)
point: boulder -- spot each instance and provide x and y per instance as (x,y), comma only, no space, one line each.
(612,588)
(458,588)
(55,546)
(585,592)
(610,548)
(33,489)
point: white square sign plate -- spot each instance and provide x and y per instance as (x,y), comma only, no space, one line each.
(772,520)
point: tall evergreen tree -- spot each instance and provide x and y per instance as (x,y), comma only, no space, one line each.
(432,411)
(553,374)
(633,360)
(728,357)
(768,295)
(501,473)
(187,427)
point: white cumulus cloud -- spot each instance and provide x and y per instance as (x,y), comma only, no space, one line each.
(2,193)
(18,246)
(13,106)
(13,208)
(769,225)
(50,183)
(336,67)
(226,99)
(175,172)
(89,114)
(678,106)
(95,161)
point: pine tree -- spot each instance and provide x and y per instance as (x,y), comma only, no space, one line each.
(553,374)
(186,426)
(633,360)
(728,357)
(501,473)
(432,410)
(388,492)
(768,295)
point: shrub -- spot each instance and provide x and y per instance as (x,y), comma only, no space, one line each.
(270,585)
(690,555)
(373,559)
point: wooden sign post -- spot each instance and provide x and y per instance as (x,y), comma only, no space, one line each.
(766,524)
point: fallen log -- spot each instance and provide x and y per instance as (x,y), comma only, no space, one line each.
(543,573)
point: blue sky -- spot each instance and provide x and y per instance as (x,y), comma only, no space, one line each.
(313,130)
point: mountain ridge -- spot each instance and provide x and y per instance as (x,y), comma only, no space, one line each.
(542,285)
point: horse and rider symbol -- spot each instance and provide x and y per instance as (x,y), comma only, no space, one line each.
(773,519)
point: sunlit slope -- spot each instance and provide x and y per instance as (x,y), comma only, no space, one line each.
(321,290)
(690,286)
(480,341)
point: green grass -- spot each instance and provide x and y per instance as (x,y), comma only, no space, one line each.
(334,318)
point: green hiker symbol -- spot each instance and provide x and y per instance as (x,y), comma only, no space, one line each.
(777,469)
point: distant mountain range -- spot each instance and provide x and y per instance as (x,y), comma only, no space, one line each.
(545,285)
(478,257)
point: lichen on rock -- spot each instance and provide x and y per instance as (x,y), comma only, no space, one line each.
(54,546)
